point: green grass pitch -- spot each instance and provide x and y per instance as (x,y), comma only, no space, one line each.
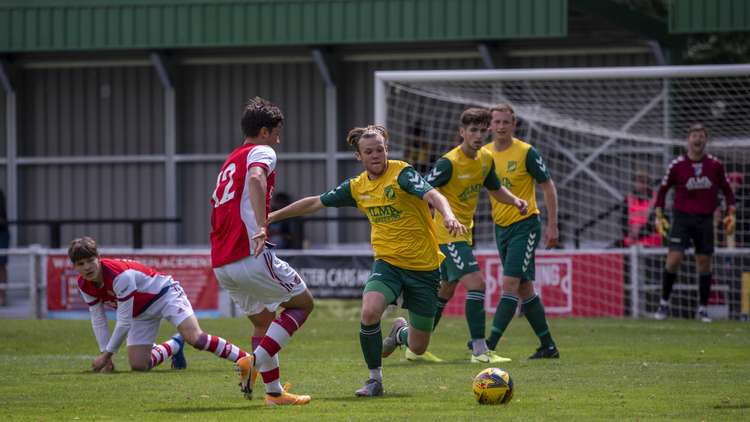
(609,370)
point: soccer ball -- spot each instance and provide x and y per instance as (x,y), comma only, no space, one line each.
(493,386)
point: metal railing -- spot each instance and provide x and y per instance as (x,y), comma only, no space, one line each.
(55,226)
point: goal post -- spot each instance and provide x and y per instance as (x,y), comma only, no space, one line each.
(605,134)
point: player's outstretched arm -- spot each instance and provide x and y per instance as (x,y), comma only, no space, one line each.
(301,207)
(438,201)
(551,233)
(504,196)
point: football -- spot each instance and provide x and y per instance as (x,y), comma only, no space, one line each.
(493,386)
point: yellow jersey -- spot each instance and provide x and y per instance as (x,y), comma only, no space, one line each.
(518,167)
(460,179)
(403,233)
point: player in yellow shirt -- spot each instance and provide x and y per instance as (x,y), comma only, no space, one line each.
(519,166)
(395,199)
(460,175)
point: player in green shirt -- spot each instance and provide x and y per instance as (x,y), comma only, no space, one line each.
(520,167)
(460,175)
(395,199)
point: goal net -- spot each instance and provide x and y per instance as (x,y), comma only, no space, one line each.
(606,134)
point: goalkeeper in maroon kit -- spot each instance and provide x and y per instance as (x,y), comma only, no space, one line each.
(697,178)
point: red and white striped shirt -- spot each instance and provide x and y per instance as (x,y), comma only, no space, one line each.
(128,286)
(232,217)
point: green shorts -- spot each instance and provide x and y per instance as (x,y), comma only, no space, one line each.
(419,289)
(459,261)
(516,245)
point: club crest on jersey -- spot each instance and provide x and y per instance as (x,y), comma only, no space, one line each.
(506,182)
(698,169)
(512,165)
(389,192)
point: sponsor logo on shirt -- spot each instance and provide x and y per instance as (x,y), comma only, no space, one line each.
(701,182)
(469,192)
(383,214)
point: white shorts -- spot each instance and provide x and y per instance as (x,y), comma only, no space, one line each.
(174,306)
(262,282)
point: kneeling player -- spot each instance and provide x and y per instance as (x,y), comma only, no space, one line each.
(142,297)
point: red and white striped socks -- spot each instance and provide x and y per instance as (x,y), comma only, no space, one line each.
(219,347)
(270,370)
(277,336)
(161,352)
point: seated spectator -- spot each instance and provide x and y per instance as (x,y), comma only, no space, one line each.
(639,206)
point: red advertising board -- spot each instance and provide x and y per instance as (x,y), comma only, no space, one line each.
(580,284)
(193,272)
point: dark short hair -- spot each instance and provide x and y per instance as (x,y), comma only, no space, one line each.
(476,116)
(259,113)
(82,248)
(697,127)
(365,132)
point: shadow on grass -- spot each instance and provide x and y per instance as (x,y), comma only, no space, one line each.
(453,362)
(733,406)
(206,409)
(259,404)
(353,398)
(128,372)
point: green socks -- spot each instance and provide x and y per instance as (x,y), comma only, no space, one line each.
(371,341)
(534,311)
(474,310)
(503,315)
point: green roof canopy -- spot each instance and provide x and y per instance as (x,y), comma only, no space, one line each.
(46,25)
(696,16)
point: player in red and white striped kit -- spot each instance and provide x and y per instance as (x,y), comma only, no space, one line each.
(142,297)
(243,262)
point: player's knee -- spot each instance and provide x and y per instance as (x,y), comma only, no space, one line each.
(309,306)
(140,366)
(526,291)
(192,337)
(703,265)
(512,287)
(474,281)
(418,342)
(446,290)
(418,348)
(370,316)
